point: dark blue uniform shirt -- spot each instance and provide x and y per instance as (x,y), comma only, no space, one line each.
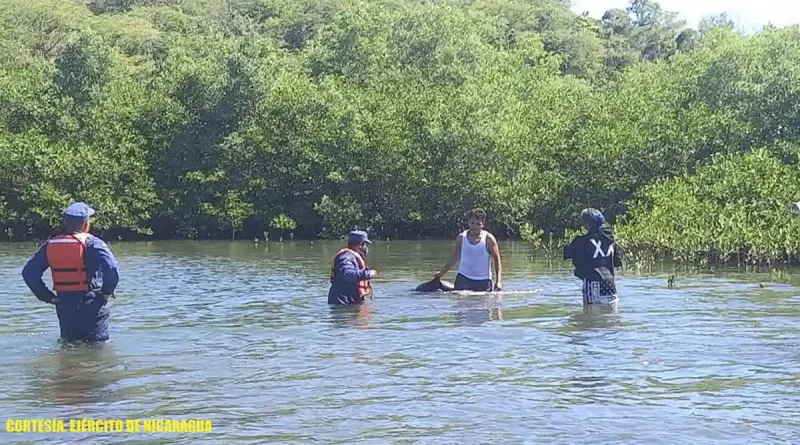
(82,315)
(344,289)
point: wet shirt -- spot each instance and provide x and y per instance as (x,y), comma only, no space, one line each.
(595,255)
(101,270)
(347,274)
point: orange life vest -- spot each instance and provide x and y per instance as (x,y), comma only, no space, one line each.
(65,254)
(364,286)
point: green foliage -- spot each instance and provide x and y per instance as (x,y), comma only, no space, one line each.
(283,222)
(82,69)
(735,208)
(209,118)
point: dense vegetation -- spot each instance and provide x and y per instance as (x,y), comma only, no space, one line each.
(207,118)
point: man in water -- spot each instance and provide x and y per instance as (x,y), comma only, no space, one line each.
(595,255)
(474,248)
(84,273)
(350,276)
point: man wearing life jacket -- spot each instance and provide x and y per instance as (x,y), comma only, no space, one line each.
(350,276)
(84,273)
(595,254)
(475,248)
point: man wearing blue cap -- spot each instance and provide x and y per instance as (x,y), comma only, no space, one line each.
(84,275)
(349,272)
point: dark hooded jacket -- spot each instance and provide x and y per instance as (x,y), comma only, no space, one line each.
(595,254)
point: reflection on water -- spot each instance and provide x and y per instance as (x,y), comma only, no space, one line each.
(348,316)
(243,335)
(476,308)
(595,316)
(75,374)
(592,322)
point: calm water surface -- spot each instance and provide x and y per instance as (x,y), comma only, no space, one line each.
(242,335)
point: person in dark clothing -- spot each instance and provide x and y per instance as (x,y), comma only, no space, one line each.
(350,276)
(595,255)
(85,274)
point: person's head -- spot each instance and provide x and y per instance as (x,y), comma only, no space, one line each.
(592,219)
(476,218)
(359,241)
(76,218)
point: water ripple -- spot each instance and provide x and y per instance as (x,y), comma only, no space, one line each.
(241,334)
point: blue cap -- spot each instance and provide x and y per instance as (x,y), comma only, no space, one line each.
(592,218)
(79,210)
(356,236)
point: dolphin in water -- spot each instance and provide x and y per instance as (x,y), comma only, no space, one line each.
(436,284)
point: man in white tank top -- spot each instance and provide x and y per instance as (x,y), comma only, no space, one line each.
(474,248)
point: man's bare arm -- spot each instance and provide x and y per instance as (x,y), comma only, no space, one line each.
(455,256)
(494,250)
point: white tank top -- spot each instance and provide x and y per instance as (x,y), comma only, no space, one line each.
(475,258)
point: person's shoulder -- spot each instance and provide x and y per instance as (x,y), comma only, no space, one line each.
(582,238)
(95,242)
(490,237)
(608,231)
(346,255)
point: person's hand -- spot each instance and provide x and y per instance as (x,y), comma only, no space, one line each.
(373,273)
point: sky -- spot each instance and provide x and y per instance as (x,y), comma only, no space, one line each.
(750,14)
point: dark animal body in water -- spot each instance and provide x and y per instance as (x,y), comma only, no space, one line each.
(436,284)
